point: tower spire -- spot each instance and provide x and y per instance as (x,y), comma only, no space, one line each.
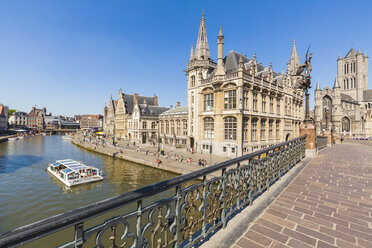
(220,66)
(192,52)
(294,61)
(202,48)
(317,86)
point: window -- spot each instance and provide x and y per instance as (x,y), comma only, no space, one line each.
(345,124)
(162,127)
(278,106)
(167,127)
(144,125)
(254,130)
(184,127)
(254,101)
(286,107)
(230,128)
(230,99)
(172,127)
(232,149)
(192,81)
(246,122)
(277,134)
(246,99)
(224,149)
(263,103)
(208,102)
(263,129)
(208,128)
(153,125)
(271,130)
(271,104)
(178,127)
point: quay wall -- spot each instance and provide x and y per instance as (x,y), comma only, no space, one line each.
(139,158)
(5,138)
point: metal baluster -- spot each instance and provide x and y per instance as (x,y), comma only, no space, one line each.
(79,235)
(139,224)
(204,220)
(112,237)
(238,187)
(224,198)
(267,179)
(178,216)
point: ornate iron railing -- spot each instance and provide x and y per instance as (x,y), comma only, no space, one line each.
(321,142)
(195,210)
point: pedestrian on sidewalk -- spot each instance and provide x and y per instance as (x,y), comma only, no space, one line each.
(342,138)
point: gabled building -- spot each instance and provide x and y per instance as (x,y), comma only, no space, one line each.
(35,119)
(238,105)
(18,120)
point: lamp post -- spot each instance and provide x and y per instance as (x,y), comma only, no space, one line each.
(158,123)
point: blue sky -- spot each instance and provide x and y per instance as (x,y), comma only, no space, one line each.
(69,56)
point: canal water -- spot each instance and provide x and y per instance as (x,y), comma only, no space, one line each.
(28,193)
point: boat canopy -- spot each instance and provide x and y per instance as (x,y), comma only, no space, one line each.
(71,165)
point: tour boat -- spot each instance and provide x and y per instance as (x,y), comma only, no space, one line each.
(66,137)
(71,172)
(13,138)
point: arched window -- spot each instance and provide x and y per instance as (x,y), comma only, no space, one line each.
(344,84)
(263,129)
(355,83)
(192,81)
(345,124)
(344,68)
(327,107)
(167,127)
(254,130)
(208,128)
(178,127)
(347,83)
(230,128)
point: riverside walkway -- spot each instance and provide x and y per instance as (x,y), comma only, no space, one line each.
(329,204)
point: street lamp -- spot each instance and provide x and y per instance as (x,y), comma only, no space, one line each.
(158,123)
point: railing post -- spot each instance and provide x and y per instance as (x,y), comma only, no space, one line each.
(178,216)
(139,224)
(223,215)
(239,180)
(204,202)
(79,235)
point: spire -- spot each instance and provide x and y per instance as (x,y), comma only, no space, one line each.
(220,67)
(192,52)
(294,61)
(359,52)
(202,48)
(317,86)
(336,84)
(240,63)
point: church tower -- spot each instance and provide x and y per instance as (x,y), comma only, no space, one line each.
(294,60)
(352,74)
(199,67)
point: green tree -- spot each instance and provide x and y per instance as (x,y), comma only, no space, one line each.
(10,112)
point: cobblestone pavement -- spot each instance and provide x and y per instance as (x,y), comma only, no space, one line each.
(329,204)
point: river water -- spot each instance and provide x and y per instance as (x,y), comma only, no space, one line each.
(28,193)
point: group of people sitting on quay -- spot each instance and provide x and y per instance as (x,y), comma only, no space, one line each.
(102,141)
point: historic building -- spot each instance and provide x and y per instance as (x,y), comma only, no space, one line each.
(18,120)
(3,117)
(35,119)
(237,105)
(91,121)
(173,126)
(346,108)
(133,117)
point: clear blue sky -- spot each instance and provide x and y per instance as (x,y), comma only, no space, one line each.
(69,56)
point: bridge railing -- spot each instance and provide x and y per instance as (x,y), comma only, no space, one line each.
(200,203)
(321,142)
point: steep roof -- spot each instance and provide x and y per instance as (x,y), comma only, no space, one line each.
(351,53)
(367,95)
(147,110)
(129,101)
(347,98)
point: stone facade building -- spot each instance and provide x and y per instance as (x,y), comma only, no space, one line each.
(173,126)
(91,121)
(347,106)
(3,117)
(35,119)
(238,105)
(18,120)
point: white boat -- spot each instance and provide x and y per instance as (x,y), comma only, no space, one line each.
(66,137)
(13,138)
(71,172)
(21,137)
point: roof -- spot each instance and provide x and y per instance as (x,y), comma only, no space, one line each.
(71,165)
(351,53)
(129,101)
(367,95)
(176,111)
(347,98)
(151,110)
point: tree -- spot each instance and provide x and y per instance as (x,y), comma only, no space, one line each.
(10,112)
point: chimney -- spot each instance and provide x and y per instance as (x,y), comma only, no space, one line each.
(145,102)
(178,104)
(135,98)
(155,100)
